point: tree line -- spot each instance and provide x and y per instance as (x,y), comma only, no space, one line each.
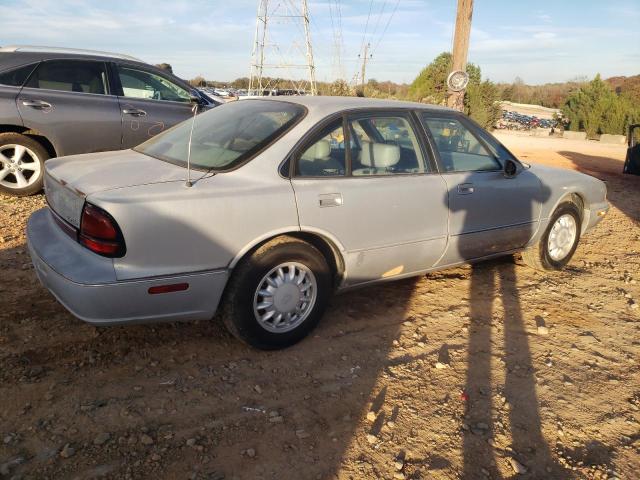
(596,107)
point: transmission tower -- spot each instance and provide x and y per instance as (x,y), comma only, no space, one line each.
(282,53)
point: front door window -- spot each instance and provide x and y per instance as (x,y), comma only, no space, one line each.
(460,150)
(146,85)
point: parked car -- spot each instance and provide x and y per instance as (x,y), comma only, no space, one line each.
(56,102)
(290,200)
(632,161)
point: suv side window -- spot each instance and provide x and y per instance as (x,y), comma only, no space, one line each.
(384,144)
(325,157)
(17,76)
(459,149)
(140,84)
(70,76)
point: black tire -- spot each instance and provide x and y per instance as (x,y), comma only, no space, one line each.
(237,310)
(40,154)
(537,256)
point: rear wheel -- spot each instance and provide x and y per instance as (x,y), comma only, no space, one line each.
(278,294)
(21,164)
(559,242)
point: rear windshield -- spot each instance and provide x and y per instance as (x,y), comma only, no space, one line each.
(226,135)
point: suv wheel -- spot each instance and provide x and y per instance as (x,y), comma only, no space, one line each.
(277,295)
(21,164)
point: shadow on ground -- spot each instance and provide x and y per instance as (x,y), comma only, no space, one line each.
(621,187)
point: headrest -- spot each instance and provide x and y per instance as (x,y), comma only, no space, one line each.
(379,155)
(319,150)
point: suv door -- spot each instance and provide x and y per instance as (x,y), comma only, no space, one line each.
(11,81)
(149,103)
(366,182)
(489,213)
(69,102)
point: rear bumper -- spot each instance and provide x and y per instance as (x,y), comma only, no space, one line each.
(103,301)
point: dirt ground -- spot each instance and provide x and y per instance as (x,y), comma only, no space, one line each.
(478,372)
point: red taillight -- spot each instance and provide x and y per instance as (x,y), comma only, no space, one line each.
(97,223)
(100,233)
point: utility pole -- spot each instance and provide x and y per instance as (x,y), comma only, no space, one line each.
(460,49)
(365,58)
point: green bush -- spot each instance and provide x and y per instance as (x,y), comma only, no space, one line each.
(597,109)
(480,98)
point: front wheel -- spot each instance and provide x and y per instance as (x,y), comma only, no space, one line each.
(278,294)
(21,164)
(559,241)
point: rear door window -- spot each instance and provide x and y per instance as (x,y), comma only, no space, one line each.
(17,76)
(383,144)
(76,76)
(325,157)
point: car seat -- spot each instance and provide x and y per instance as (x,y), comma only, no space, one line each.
(377,158)
(317,161)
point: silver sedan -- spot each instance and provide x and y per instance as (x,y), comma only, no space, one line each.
(261,209)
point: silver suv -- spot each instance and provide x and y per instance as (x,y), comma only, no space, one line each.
(57,102)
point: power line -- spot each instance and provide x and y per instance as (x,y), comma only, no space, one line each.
(366,25)
(386,26)
(375,29)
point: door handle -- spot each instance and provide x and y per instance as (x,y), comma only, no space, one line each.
(37,104)
(466,189)
(330,200)
(134,112)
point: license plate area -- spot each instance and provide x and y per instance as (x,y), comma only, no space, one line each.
(63,201)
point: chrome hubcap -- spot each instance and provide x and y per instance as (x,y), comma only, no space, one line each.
(19,166)
(285,297)
(562,237)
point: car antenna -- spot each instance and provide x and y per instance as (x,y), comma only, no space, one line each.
(193,122)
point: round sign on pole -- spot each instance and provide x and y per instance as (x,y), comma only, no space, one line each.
(457,80)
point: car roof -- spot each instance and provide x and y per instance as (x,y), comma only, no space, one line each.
(65,51)
(327,104)
(15,56)
(11,57)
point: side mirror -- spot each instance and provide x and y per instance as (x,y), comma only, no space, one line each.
(194,97)
(510,168)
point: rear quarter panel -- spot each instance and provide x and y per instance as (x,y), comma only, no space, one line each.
(170,228)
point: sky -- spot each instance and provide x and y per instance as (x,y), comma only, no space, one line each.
(539,41)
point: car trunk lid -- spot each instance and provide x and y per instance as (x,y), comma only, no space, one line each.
(68,180)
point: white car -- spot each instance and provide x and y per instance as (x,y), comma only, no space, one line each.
(268,206)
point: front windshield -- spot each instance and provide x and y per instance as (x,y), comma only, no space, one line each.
(224,136)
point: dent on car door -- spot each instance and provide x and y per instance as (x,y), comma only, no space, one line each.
(149,103)
(374,194)
(69,102)
(489,213)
